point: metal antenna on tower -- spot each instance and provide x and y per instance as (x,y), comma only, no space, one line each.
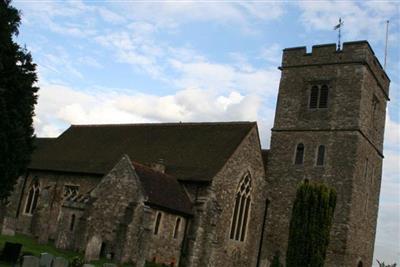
(339,26)
(386,43)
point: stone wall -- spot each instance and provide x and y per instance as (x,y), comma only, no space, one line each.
(163,247)
(67,236)
(53,184)
(354,77)
(211,244)
(112,199)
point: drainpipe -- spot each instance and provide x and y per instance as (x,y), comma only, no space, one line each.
(262,232)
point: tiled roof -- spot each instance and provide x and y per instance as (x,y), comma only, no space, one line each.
(190,151)
(163,190)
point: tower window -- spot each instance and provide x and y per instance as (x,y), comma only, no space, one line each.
(299,154)
(157,224)
(314,97)
(319,97)
(32,200)
(241,210)
(321,155)
(323,97)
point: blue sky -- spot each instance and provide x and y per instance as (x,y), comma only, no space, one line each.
(140,61)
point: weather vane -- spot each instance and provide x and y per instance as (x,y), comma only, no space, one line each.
(339,26)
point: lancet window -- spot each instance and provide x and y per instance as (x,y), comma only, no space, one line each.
(241,210)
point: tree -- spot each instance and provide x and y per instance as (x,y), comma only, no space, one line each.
(310,225)
(17,100)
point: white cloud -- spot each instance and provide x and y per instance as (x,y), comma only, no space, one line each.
(362,20)
(75,107)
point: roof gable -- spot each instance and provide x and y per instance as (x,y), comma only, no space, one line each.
(162,190)
(191,151)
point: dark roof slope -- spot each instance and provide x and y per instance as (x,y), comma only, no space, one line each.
(163,190)
(190,151)
(41,142)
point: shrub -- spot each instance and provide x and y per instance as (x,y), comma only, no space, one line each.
(77,262)
(310,225)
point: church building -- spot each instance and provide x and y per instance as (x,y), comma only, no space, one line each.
(207,194)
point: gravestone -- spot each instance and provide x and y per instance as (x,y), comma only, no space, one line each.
(11,252)
(60,262)
(30,261)
(88,265)
(109,265)
(46,260)
(8,227)
(93,248)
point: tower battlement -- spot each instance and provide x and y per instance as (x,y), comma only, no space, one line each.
(359,52)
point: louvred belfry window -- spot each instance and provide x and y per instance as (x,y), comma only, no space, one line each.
(319,97)
(241,210)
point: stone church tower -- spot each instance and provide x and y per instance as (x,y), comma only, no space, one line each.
(329,127)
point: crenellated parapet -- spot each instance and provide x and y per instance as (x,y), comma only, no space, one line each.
(359,52)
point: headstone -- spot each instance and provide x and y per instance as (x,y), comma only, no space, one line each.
(88,265)
(30,261)
(11,252)
(93,248)
(8,227)
(109,265)
(46,260)
(60,262)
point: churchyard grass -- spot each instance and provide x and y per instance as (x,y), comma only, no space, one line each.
(30,246)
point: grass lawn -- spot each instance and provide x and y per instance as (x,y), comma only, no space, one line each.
(29,245)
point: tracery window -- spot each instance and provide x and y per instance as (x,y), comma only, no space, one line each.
(241,210)
(319,97)
(70,191)
(32,199)
(299,156)
(157,223)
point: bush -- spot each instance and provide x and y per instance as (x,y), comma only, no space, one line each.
(77,262)
(310,225)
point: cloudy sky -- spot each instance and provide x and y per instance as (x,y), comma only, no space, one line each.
(139,61)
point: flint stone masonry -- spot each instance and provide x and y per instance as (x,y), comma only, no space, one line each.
(353,144)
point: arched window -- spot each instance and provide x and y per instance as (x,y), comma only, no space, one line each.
(314,97)
(157,224)
(299,154)
(32,199)
(176,230)
(72,223)
(241,210)
(323,97)
(319,97)
(321,155)
(360,264)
